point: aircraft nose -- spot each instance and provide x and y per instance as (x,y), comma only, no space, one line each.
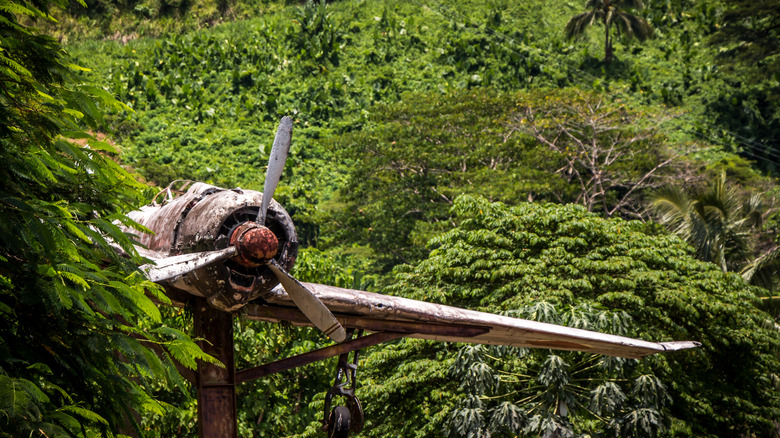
(256,244)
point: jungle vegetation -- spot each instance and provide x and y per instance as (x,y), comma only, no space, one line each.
(470,153)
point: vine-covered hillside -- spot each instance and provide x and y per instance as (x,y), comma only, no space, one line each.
(599,164)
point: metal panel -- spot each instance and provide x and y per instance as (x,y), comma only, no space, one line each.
(347,303)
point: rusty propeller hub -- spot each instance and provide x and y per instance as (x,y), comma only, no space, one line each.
(256,244)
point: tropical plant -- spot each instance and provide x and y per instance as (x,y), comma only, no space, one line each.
(82,347)
(714,222)
(611,13)
(316,37)
(511,259)
(721,225)
(531,392)
(748,37)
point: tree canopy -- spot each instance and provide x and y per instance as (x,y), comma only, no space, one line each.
(413,158)
(563,264)
(78,325)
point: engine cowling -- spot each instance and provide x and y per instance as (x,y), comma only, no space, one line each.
(207,218)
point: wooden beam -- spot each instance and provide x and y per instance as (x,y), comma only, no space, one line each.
(216,384)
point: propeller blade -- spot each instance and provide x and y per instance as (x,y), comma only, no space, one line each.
(309,304)
(171,267)
(276,164)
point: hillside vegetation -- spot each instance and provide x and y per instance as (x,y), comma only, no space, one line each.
(205,103)
(438,150)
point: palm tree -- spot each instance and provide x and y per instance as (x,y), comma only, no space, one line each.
(715,222)
(724,230)
(611,13)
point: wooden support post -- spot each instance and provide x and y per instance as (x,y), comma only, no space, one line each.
(216,385)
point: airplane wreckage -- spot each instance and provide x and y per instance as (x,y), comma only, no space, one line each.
(221,250)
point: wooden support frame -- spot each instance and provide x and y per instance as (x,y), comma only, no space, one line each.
(216,385)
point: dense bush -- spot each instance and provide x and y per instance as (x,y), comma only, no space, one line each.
(610,275)
(82,344)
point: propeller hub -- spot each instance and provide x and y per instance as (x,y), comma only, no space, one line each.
(256,244)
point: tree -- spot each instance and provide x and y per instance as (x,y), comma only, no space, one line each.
(408,164)
(611,13)
(606,274)
(78,325)
(748,35)
(724,228)
(716,222)
(609,154)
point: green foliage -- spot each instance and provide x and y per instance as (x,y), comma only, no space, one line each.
(749,36)
(77,319)
(205,101)
(509,258)
(205,105)
(720,226)
(724,227)
(750,114)
(385,49)
(609,154)
(412,159)
(611,13)
(511,391)
(746,40)
(316,37)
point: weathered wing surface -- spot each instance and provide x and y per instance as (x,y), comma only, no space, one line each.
(377,312)
(167,268)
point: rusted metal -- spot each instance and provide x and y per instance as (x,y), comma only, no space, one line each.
(256,244)
(502,330)
(314,356)
(204,219)
(170,268)
(259,312)
(344,386)
(216,384)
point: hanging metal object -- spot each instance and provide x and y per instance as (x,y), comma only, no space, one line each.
(344,419)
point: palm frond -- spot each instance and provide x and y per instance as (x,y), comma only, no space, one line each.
(633,26)
(671,206)
(763,269)
(579,23)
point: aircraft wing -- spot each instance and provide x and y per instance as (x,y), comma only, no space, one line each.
(417,319)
